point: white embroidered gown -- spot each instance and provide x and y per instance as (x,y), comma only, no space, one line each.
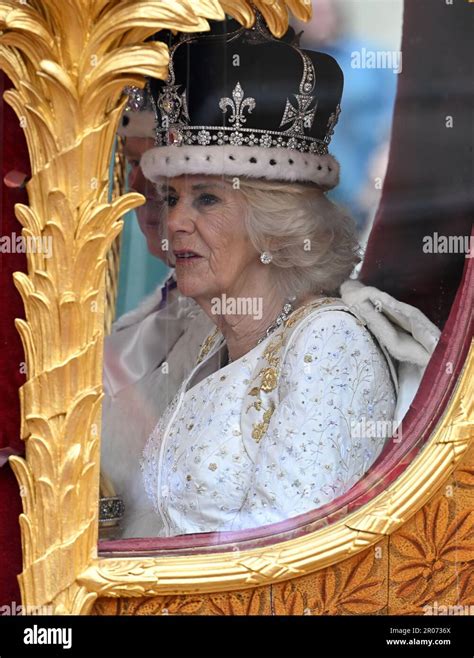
(273,434)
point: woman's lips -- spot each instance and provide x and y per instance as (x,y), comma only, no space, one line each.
(186,257)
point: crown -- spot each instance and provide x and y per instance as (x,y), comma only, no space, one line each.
(244,103)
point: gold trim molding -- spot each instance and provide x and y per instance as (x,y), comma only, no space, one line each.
(68,76)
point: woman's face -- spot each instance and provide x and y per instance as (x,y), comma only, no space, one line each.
(206,226)
(150,214)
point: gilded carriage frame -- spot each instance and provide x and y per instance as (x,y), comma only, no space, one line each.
(67,94)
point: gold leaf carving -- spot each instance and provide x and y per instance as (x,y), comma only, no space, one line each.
(353,587)
(433,552)
(266,566)
(275,12)
(254,602)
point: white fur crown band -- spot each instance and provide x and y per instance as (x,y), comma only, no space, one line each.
(252,162)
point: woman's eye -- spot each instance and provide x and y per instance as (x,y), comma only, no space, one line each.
(208,199)
(170,201)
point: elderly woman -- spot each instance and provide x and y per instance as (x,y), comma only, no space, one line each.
(267,424)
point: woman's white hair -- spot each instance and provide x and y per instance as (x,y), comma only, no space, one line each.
(313,241)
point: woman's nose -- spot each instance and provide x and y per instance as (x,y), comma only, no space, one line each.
(179,218)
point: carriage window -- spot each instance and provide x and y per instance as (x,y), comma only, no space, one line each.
(272,326)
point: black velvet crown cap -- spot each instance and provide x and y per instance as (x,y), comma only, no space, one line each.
(240,102)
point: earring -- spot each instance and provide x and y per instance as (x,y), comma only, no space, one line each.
(266,257)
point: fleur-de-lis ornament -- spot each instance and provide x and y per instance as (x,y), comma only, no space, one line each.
(237,104)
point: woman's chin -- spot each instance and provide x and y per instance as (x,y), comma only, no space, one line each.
(189,277)
(189,287)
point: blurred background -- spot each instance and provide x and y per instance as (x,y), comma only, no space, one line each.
(364,36)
